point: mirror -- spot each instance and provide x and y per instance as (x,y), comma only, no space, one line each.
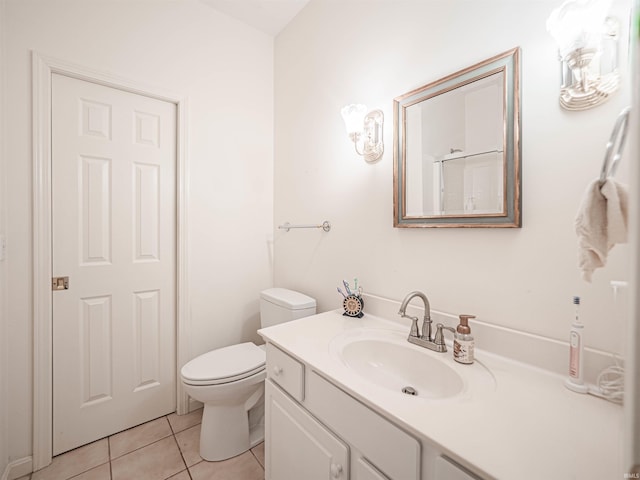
(457,149)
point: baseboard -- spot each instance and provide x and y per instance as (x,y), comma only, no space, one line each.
(18,468)
(194,404)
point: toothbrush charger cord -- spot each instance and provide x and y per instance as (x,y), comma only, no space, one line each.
(609,384)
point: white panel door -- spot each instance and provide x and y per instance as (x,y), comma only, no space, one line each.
(114,230)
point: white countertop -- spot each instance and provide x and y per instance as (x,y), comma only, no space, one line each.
(529,427)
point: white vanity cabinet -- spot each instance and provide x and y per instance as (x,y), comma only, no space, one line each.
(296,445)
(332,413)
(314,430)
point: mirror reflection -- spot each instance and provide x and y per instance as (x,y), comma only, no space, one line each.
(457,166)
(457,151)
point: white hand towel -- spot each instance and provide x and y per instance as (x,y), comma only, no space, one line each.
(600,224)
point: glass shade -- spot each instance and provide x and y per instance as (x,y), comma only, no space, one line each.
(578,24)
(353,116)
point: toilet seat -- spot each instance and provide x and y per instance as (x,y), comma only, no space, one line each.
(225,365)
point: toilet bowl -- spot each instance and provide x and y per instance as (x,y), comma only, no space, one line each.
(229,382)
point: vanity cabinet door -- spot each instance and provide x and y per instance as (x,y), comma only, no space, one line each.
(296,445)
(365,471)
(388,448)
(446,469)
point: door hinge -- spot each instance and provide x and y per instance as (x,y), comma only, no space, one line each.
(60,283)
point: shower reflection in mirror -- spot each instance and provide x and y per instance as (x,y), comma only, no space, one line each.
(462,157)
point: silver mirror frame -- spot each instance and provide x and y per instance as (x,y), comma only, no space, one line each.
(508,63)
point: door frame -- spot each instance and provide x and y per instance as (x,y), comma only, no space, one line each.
(42,69)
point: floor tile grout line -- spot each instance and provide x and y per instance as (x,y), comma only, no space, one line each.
(256,457)
(186,428)
(174,433)
(185,462)
(181,455)
(180,448)
(171,426)
(84,471)
(109,456)
(107,439)
(175,439)
(73,450)
(136,426)
(111,460)
(141,447)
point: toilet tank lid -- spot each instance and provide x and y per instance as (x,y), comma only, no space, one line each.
(288,298)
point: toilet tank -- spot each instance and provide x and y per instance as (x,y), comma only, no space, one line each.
(279,305)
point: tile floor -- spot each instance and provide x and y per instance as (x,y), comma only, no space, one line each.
(165,448)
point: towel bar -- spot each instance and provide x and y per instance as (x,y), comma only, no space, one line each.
(326,226)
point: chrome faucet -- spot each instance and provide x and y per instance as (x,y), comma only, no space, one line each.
(415,337)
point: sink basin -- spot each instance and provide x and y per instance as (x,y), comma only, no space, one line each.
(385,358)
(397,367)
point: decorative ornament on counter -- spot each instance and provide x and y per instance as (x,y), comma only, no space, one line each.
(353,302)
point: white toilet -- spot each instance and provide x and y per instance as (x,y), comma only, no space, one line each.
(230,381)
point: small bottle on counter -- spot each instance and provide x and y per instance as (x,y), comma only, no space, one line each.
(463,343)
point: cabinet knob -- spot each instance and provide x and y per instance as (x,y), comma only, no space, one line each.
(336,470)
(277,370)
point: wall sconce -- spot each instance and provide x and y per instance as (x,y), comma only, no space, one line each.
(588,51)
(364,129)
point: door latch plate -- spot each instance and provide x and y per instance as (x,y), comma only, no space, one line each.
(60,283)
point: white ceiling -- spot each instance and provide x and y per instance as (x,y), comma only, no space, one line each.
(270,16)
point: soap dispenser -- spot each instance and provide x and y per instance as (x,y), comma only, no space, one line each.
(463,342)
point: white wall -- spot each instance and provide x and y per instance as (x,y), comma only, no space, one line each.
(335,53)
(226,70)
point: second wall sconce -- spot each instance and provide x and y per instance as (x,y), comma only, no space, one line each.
(365,130)
(588,50)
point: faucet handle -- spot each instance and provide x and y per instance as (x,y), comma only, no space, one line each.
(439,338)
(414,326)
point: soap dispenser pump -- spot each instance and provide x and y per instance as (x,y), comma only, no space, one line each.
(463,343)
